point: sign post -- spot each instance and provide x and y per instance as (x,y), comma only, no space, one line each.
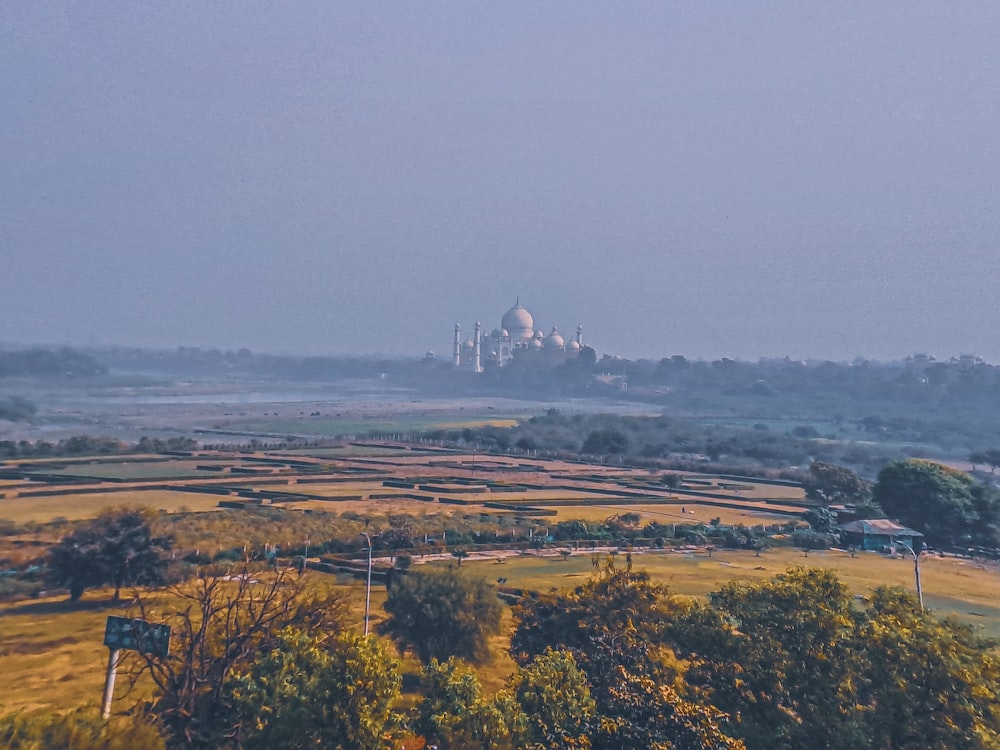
(109,682)
(135,635)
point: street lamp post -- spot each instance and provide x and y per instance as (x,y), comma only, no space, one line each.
(368,589)
(916,570)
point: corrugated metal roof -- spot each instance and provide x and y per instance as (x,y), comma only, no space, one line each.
(879,526)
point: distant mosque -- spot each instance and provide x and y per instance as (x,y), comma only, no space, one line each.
(515,338)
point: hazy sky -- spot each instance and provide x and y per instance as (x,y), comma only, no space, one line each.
(738,179)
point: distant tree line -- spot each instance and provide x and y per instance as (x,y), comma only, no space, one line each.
(666,440)
(89,445)
(49,363)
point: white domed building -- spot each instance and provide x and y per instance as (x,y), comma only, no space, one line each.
(516,337)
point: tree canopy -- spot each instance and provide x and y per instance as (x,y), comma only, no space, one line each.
(441,613)
(116,548)
(933,499)
(832,484)
(309,691)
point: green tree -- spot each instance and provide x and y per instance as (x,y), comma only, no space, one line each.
(441,613)
(780,655)
(308,692)
(604,441)
(614,628)
(673,481)
(831,484)
(930,683)
(116,548)
(455,715)
(554,698)
(219,626)
(933,499)
(642,714)
(822,520)
(399,535)
(614,601)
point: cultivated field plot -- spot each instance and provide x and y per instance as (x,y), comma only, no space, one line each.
(89,505)
(135,470)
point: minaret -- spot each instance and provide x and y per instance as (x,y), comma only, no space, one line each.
(458,345)
(579,334)
(477,365)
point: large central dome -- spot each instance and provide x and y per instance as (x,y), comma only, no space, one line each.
(518,322)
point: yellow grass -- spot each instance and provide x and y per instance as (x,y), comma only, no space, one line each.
(74,507)
(51,654)
(473,423)
(951,585)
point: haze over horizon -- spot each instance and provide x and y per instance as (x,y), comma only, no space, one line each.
(713,180)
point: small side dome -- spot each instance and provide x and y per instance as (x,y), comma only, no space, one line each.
(539,334)
(536,344)
(469,344)
(505,333)
(554,340)
(573,346)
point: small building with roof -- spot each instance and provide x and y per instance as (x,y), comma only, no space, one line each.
(876,534)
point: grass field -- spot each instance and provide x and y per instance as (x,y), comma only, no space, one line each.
(51,654)
(75,507)
(964,588)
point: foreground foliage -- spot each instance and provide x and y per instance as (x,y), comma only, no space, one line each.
(220,626)
(786,663)
(77,730)
(310,691)
(614,628)
(796,665)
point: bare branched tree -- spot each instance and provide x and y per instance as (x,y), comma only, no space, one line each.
(218,624)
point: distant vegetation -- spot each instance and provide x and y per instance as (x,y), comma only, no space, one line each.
(88,445)
(49,363)
(921,405)
(670,441)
